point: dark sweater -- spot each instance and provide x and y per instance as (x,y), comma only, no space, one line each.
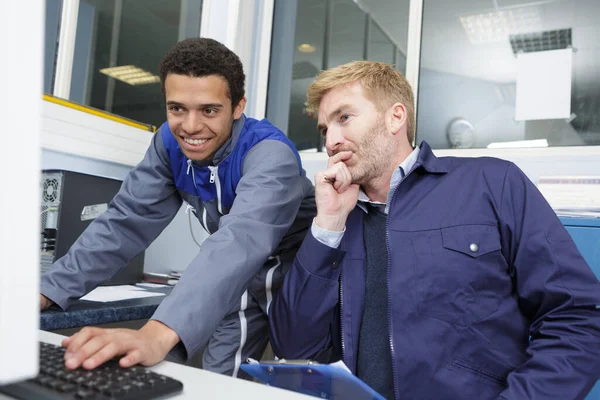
(374,352)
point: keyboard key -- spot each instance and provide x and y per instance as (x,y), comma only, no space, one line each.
(67,387)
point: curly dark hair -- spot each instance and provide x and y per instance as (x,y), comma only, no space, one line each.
(199,57)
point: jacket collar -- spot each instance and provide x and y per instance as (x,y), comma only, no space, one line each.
(429,161)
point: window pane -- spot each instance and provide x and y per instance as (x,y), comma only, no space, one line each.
(491,75)
(134,33)
(53,10)
(308,60)
(329,33)
(347,33)
(381,47)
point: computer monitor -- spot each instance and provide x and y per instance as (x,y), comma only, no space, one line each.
(21,35)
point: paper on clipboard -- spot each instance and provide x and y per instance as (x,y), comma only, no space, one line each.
(105,294)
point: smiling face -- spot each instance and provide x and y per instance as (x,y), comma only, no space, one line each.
(200,113)
(350,122)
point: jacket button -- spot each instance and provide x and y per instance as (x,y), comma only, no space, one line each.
(335,264)
(474,247)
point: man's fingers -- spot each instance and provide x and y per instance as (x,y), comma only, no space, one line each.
(44,302)
(338,157)
(132,358)
(102,355)
(341,177)
(330,176)
(86,351)
(74,342)
(346,181)
(341,184)
(333,176)
(95,346)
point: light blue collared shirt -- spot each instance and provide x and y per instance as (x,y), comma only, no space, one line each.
(333,239)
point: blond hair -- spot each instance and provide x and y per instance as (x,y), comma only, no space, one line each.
(383,85)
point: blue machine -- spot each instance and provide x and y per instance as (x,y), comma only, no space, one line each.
(586,235)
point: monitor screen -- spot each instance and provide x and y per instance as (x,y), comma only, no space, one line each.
(21,35)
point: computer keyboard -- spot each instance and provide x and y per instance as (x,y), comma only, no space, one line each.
(109,381)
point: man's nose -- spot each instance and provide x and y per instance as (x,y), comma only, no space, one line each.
(334,139)
(192,123)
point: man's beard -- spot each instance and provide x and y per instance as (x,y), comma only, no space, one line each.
(374,156)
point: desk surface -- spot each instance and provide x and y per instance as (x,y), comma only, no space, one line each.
(201,384)
(86,313)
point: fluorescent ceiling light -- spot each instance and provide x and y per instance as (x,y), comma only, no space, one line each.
(307,48)
(131,75)
(518,144)
(496,26)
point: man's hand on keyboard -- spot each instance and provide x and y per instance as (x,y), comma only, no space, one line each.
(91,347)
(45,302)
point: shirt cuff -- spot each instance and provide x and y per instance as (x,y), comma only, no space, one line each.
(328,238)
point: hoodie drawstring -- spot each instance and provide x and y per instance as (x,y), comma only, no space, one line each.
(191,167)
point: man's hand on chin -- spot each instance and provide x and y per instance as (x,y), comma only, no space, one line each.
(91,347)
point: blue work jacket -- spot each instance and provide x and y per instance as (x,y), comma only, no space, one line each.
(488,296)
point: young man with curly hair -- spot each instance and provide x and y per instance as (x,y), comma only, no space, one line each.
(244,181)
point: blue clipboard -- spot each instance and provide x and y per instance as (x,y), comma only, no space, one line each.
(319,380)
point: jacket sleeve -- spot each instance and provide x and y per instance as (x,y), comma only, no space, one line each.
(303,312)
(268,197)
(143,207)
(557,291)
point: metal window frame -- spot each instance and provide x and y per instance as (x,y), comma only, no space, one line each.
(246,28)
(66,49)
(413,48)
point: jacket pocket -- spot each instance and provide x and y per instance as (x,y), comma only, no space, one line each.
(463,365)
(459,379)
(457,269)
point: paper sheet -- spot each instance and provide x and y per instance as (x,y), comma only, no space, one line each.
(106,294)
(338,364)
(151,285)
(544,85)
(571,193)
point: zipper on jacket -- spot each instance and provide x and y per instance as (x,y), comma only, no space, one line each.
(214,178)
(191,168)
(204,220)
(389,294)
(341,323)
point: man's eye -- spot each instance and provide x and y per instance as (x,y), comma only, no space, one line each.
(324,132)
(344,118)
(210,111)
(175,108)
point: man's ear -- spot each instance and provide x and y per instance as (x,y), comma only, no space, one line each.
(239,108)
(397,117)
